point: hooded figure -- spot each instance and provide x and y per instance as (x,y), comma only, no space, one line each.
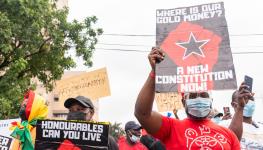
(33,107)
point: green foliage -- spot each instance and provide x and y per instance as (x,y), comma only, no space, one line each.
(116,131)
(35,39)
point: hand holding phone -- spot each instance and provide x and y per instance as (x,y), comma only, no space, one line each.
(226,110)
(249,82)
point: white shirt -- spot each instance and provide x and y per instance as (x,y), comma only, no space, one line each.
(252,137)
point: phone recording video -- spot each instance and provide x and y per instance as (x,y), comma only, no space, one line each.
(226,110)
(249,82)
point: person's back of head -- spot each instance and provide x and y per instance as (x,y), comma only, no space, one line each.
(147,140)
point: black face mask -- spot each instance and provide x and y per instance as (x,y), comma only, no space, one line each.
(76,115)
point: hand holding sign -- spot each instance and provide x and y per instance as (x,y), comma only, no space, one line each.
(198,50)
(60,133)
(155,56)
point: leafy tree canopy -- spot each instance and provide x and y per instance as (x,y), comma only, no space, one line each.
(35,39)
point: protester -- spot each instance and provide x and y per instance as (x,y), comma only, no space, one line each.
(33,107)
(252,137)
(81,108)
(132,139)
(194,132)
(215,116)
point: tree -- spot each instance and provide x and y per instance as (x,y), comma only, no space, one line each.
(35,39)
(116,131)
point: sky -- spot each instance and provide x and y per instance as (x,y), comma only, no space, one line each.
(128,70)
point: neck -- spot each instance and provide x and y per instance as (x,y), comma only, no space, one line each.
(247,120)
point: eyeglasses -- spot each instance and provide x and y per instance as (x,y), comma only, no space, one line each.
(195,95)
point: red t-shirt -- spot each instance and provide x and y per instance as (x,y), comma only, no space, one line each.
(195,135)
(124,145)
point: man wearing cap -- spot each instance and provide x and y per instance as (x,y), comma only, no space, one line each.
(82,108)
(132,139)
(197,131)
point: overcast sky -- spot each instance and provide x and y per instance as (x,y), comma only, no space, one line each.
(128,70)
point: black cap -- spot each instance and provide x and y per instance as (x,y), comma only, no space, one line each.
(218,114)
(132,125)
(84,101)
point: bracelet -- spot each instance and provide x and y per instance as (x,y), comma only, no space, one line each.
(152,74)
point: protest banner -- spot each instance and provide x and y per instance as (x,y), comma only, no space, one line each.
(5,125)
(94,85)
(79,135)
(197,47)
(5,142)
(168,101)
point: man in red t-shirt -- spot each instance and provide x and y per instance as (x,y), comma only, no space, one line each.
(132,139)
(194,132)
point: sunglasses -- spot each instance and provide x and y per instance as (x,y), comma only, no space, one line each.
(195,95)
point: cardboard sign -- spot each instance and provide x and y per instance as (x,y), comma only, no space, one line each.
(94,84)
(5,142)
(79,135)
(168,101)
(197,47)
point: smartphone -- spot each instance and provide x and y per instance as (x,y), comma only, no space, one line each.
(248,81)
(226,110)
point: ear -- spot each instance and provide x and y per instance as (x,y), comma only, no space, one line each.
(92,113)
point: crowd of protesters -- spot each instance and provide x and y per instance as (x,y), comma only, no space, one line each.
(203,128)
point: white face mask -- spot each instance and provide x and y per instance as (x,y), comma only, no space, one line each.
(134,138)
(249,108)
(216,120)
(199,107)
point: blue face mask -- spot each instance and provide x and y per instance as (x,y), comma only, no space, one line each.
(199,107)
(249,109)
(216,120)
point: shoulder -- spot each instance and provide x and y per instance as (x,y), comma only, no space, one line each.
(170,120)
(140,146)
(168,125)
(111,138)
(122,139)
(112,144)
